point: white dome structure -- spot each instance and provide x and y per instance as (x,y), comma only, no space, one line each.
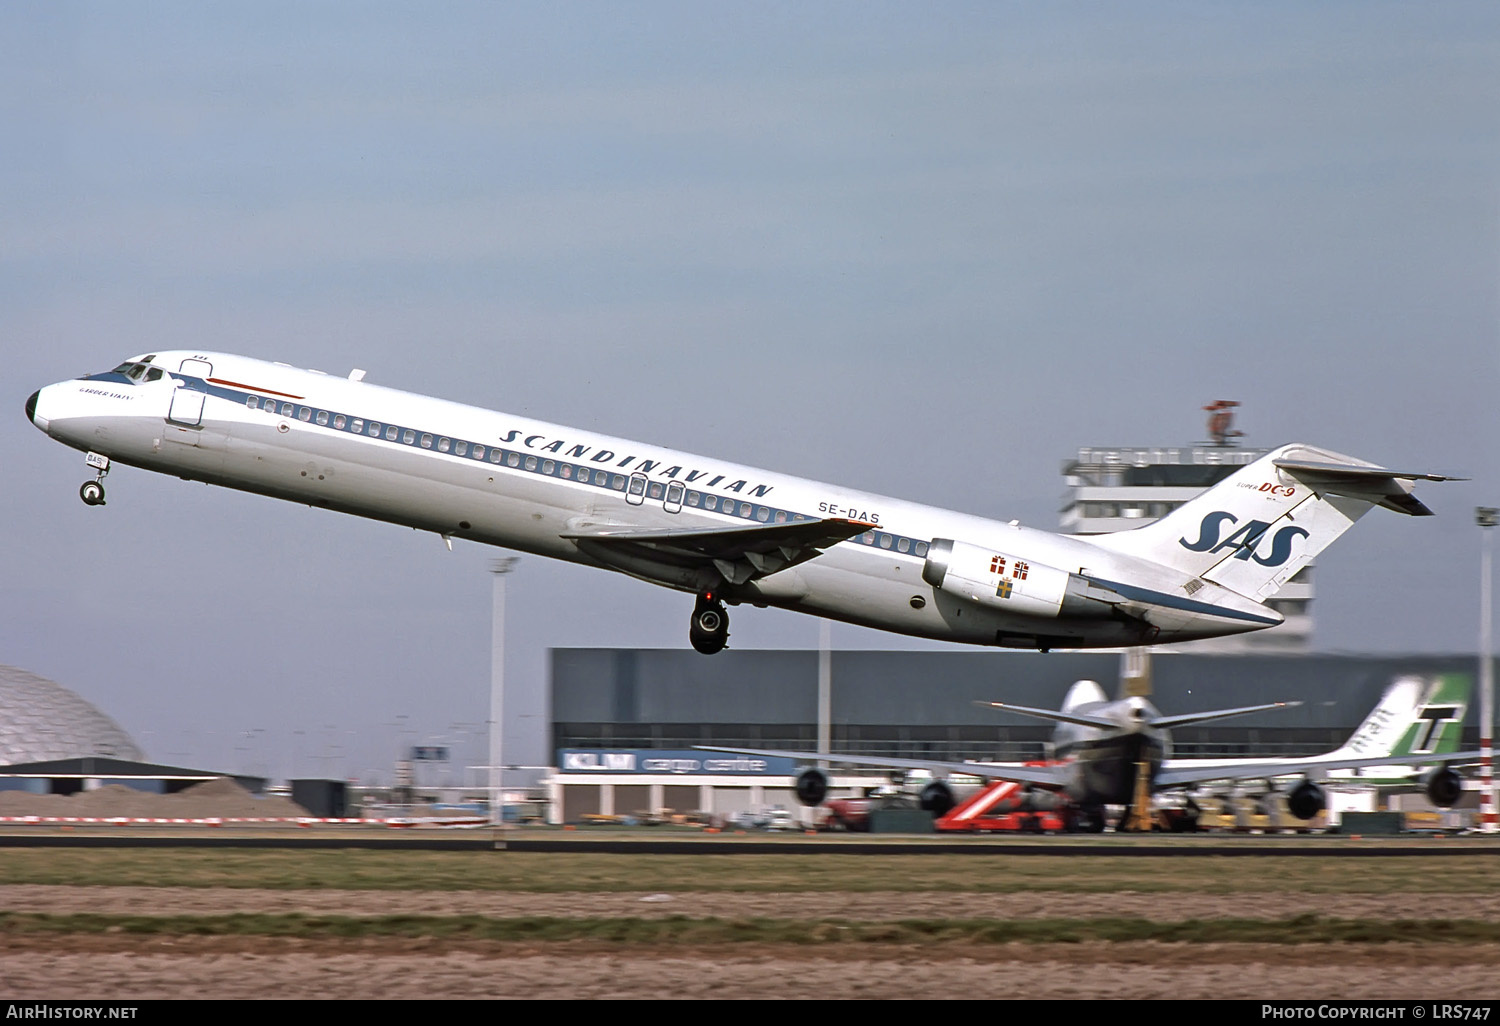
(40,720)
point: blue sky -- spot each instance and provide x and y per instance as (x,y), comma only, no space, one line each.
(927,250)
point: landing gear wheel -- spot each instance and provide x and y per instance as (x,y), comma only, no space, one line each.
(709,630)
(92,493)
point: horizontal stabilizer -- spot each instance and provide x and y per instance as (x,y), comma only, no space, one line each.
(1080,719)
(1113,724)
(1376,485)
(1168,722)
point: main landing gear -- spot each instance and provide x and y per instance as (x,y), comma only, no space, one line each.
(709,630)
(92,492)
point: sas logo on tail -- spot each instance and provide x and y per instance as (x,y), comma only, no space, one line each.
(1245,539)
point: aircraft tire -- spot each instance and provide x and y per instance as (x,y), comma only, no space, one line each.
(92,493)
(709,631)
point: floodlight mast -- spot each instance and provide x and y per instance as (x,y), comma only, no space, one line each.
(498,568)
(1486,517)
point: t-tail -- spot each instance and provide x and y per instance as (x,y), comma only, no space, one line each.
(1255,529)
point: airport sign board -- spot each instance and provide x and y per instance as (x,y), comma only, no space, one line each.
(657,761)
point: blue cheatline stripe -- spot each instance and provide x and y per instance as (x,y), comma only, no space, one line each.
(697,500)
(1161,598)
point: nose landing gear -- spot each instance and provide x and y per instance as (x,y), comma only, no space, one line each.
(92,492)
(709,630)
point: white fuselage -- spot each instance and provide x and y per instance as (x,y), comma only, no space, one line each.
(505,480)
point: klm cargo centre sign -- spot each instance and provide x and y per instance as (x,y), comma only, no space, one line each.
(659,760)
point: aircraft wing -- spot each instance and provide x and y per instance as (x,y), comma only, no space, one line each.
(739,553)
(1039,776)
(1180,772)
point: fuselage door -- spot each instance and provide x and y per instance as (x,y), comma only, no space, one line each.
(187,407)
(673,502)
(635,491)
(196,368)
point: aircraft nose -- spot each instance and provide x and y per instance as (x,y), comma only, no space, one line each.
(31,411)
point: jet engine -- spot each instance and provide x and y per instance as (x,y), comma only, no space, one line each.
(1013,584)
(1443,785)
(1306,800)
(937,798)
(811,786)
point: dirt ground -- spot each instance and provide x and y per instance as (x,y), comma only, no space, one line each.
(861,906)
(120,967)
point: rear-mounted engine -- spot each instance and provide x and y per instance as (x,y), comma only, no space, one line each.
(1013,584)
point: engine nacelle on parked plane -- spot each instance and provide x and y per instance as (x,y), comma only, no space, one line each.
(937,798)
(1444,786)
(1306,800)
(811,786)
(1011,583)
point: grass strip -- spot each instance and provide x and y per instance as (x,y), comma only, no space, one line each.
(1306,929)
(808,873)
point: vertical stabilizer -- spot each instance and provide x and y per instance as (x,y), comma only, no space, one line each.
(1255,529)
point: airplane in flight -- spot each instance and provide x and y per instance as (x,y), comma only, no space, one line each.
(721,532)
(1112,752)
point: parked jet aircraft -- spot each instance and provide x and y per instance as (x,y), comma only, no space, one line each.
(721,532)
(1100,748)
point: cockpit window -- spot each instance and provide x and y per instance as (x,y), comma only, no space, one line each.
(135,371)
(154,374)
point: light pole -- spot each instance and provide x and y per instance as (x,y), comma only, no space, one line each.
(825,690)
(1486,517)
(499,568)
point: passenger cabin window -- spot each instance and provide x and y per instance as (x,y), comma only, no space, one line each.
(304,414)
(252,403)
(408,436)
(357,425)
(322,418)
(426,440)
(444,444)
(339,421)
(270,405)
(390,432)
